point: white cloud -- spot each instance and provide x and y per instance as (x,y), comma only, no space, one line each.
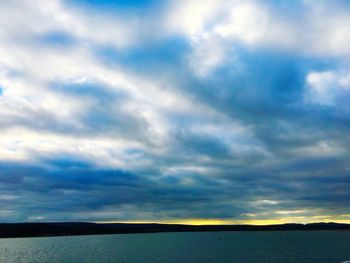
(315,32)
(38,121)
(207,56)
(29,70)
(320,149)
(191,17)
(327,87)
(247,22)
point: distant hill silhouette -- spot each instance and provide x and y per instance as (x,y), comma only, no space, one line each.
(81,228)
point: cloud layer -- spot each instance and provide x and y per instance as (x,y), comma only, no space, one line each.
(230,110)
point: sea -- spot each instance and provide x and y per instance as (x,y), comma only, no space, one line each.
(183,247)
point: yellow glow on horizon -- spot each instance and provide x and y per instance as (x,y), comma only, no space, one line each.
(200,221)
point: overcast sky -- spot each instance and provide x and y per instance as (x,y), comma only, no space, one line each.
(175,111)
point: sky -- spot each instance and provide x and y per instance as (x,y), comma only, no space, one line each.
(186,111)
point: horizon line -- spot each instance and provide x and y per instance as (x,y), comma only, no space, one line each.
(173,223)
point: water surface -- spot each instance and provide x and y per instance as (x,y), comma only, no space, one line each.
(202,247)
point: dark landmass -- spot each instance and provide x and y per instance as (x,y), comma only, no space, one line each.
(78,228)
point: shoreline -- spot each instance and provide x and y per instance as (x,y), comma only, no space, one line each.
(52,229)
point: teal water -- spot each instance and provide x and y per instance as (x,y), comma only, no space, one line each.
(202,247)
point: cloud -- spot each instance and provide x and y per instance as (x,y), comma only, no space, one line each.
(233,110)
(328,87)
(307,28)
